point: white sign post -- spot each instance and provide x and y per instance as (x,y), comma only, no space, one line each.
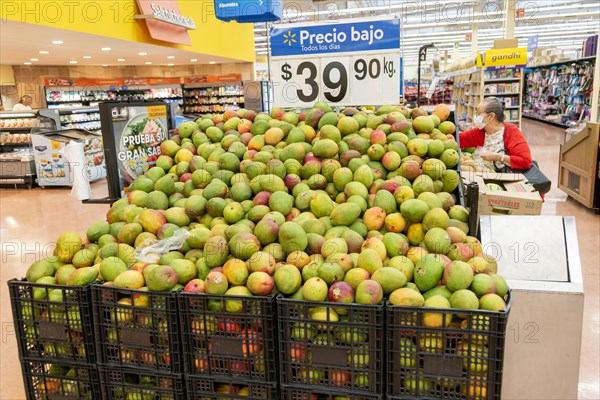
(355,63)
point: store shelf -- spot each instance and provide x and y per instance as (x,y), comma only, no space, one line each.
(503,80)
(512,108)
(15,144)
(17,129)
(560,125)
(501,94)
(556,64)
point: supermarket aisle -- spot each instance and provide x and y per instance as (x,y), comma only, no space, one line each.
(544,141)
(29,220)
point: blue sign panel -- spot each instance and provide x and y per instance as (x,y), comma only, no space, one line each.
(249,10)
(532,42)
(352,37)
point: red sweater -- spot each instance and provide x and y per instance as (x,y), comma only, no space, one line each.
(514,142)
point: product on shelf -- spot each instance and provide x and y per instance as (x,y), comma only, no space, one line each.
(19,122)
(16,138)
(561,93)
(211,98)
(70,97)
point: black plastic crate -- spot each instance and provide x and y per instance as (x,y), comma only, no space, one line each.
(241,342)
(60,381)
(461,361)
(130,383)
(324,353)
(300,393)
(53,326)
(144,335)
(209,388)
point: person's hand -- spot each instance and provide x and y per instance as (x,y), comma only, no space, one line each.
(491,156)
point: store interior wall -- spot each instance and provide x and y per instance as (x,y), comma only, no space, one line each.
(30,78)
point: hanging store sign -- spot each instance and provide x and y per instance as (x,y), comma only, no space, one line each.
(510,57)
(340,63)
(249,10)
(165,21)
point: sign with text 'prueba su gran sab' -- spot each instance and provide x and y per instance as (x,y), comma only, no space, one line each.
(344,63)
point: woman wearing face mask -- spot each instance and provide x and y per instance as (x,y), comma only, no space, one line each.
(497,143)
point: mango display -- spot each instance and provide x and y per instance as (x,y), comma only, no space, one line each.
(349,207)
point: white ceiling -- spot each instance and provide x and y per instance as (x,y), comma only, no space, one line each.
(558,23)
(19,42)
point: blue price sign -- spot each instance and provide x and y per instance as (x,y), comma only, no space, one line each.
(249,10)
(350,37)
(344,63)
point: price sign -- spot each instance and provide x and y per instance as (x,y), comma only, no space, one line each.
(305,70)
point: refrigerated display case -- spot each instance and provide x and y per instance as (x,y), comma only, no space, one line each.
(52,167)
(17,165)
(87,118)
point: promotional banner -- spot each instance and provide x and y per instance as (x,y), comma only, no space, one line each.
(132,141)
(502,58)
(351,63)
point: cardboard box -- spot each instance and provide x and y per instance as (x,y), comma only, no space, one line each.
(519,197)
(506,43)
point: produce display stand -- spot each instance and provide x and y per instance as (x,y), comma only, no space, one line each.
(237,344)
(579,172)
(460,359)
(141,338)
(53,328)
(539,257)
(126,383)
(346,355)
(65,381)
(209,388)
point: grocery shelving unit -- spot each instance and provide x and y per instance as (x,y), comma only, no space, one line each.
(212,97)
(506,84)
(87,118)
(81,96)
(467,93)
(17,164)
(559,94)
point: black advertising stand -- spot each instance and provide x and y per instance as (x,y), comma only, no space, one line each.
(422,58)
(116,119)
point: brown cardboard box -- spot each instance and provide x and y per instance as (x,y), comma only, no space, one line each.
(519,197)
(506,43)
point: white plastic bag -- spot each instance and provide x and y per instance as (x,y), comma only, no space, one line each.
(150,250)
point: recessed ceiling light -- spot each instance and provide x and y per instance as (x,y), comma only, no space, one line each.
(73,62)
(106,49)
(120,59)
(171,57)
(105,65)
(87,57)
(194,60)
(142,53)
(34,59)
(57,42)
(27,63)
(43,52)
(148,62)
(170,64)
(212,62)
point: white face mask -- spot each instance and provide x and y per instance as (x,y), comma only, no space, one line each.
(478,121)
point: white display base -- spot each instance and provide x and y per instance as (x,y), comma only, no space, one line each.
(543,335)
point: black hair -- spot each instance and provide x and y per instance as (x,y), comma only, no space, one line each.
(494,105)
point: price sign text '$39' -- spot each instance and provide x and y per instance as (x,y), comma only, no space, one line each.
(330,79)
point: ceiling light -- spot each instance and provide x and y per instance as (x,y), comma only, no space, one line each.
(57,42)
(171,57)
(27,63)
(120,59)
(212,62)
(43,52)
(148,62)
(73,62)
(170,64)
(106,49)
(87,57)
(194,60)
(105,65)
(34,59)
(142,53)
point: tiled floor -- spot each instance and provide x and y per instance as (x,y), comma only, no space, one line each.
(30,221)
